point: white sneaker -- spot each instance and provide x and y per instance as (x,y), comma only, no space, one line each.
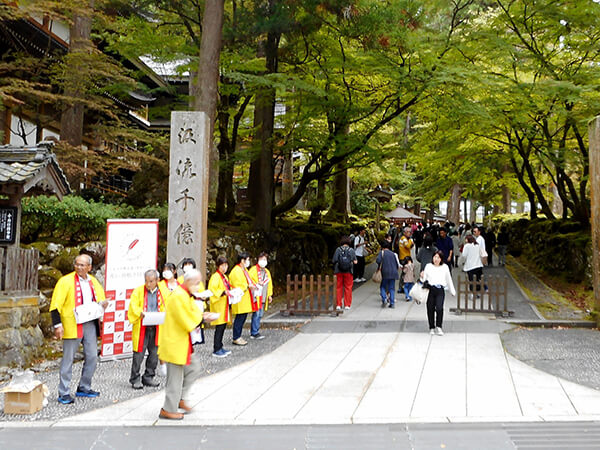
(439,331)
(347,307)
(432,331)
(338,308)
(363,280)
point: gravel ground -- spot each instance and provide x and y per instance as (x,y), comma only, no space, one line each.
(572,354)
(112,377)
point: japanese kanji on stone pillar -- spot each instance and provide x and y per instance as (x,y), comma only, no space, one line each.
(188,187)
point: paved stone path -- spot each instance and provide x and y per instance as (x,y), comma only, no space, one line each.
(111,377)
(373,365)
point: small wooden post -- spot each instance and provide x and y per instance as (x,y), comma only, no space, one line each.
(319,293)
(288,292)
(303,298)
(312,292)
(326,295)
(295,292)
(594,136)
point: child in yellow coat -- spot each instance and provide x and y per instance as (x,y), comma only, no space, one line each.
(261,277)
(219,285)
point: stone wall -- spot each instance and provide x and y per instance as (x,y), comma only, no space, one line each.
(21,338)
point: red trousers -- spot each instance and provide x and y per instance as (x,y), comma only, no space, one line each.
(344,287)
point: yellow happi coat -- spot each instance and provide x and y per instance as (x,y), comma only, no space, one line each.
(136,307)
(238,280)
(182,316)
(254,276)
(218,302)
(63,300)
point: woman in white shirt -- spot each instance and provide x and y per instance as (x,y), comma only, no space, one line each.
(437,275)
(473,264)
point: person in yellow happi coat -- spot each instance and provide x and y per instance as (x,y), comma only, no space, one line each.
(261,277)
(169,281)
(219,303)
(145,298)
(78,288)
(186,264)
(182,316)
(240,278)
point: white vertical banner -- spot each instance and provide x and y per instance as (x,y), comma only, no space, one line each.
(188,187)
(131,250)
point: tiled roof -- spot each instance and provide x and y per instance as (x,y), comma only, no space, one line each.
(22,165)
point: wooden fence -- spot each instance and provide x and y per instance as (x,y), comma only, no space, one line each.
(310,296)
(18,270)
(488,295)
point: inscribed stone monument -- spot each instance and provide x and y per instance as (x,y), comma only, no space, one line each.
(188,187)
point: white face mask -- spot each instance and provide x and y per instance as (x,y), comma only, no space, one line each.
(247,264)
(187,268)
(167,274)
(262,263)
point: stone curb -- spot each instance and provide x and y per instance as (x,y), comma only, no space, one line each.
(554,323)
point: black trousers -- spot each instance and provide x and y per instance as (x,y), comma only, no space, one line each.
(475,274)
(219,332)
(151,361)
(435,307)
(359,270)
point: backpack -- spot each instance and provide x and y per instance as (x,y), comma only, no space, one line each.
(344,260)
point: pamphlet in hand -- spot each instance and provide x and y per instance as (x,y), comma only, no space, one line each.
(235,296)
(88,311)
(153,318)
(204,294)
(197,336)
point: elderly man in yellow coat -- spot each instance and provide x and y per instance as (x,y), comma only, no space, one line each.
(263,295)
(182,316)
(144,299)
(77,290)
(240,278)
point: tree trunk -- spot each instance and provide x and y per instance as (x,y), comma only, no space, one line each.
(71,120)
(594,180)
(319,203)
(205,92)
(465,211)
(287,181)
(473,211)
(225,147)
(506,200)
(430,213)
(340,208)
(265,119)
(453,210)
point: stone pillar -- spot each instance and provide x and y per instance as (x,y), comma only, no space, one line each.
(594,133)
(188,188)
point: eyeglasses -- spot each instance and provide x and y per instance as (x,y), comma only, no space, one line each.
(81,265)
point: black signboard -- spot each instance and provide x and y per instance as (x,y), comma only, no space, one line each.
(8,224)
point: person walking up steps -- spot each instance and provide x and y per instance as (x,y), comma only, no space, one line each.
(436,276)
(359,250)
(387,260)
(343,260)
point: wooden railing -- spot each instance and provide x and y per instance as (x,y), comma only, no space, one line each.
(311,296)
(18,270)
(488,295)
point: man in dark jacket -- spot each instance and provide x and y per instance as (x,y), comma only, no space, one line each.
(388,262)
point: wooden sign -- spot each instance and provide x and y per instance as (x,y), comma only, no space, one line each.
(8,224)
